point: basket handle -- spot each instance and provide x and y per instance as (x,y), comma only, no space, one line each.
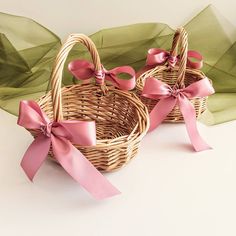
(57,72)
(180,45)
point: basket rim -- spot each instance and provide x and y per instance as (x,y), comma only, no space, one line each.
(153,71)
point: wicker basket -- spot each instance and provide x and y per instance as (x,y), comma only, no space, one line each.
(121,118)
(179,76)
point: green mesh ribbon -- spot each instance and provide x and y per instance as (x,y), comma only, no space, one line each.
(28,50)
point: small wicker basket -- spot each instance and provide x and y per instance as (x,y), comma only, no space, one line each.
(121,118)
(178,76)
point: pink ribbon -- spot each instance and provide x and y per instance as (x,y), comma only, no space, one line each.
(158,56)
(61,135)
(169,97)
(84,70)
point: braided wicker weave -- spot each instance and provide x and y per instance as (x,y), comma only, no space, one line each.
(121,118)
(179,76)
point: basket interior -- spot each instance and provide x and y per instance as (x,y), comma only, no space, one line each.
(115,113)
(170,76)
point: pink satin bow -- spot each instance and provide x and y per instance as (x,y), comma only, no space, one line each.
(158,56)
(169,97)
(61,135)
(84,70)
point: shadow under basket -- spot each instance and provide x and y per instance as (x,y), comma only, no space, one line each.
(121,121)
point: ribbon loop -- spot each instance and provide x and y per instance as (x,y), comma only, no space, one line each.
(59,135)
(84,70)
(169,97)
(158,56)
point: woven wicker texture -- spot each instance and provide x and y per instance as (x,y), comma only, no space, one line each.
(178,76)
(121,118)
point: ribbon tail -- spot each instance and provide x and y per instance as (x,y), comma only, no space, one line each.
(189,115)
(35,155)
(81,169)
(160,111)
(122,83)
(144,69)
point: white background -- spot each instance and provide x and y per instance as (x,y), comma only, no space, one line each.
(168,190)
(87,16)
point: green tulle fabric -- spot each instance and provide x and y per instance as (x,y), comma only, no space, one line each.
(28,50)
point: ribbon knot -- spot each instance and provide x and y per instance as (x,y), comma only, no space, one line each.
(60,136)
(46,129)
(172,60)
(175,92)
(84,70)
(100,76)
(169,97)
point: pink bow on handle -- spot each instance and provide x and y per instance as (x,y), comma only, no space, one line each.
(61,135)
(169,97)
(158,56)
(84,70)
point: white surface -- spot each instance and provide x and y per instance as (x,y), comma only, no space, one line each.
(168,190)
